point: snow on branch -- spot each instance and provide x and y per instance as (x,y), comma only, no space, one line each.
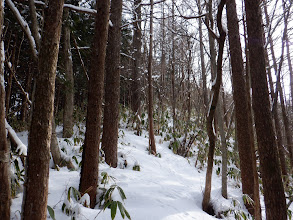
(25,27)
(21,148)
(80,9)
(74,8)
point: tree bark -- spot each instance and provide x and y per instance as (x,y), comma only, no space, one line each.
(112,89)
(211,114)
(173,101)
(257,206)
(270,169)
(69,81)
(203,67)
(152,142)
(136,84)
(223,148)
(241,106)
(5,196)
(90,155)
(37,172)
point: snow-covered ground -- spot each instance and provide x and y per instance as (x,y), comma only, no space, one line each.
(166,188)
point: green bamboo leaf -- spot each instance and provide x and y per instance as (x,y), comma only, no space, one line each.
(107,204)
(121,192)
(113,209)
(68,194)
(127,214)
(51,212)
(122,209)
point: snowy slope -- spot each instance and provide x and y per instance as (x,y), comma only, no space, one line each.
(166,188)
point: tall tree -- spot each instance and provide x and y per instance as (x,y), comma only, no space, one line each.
(90,155)
(136,78)
(203,67)
(206,206)
(270,169)
(69,81)
(112,89)
(241,107)
(152,142)
(4,150)
(37,170)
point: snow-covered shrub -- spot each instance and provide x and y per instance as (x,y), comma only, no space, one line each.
(73,202)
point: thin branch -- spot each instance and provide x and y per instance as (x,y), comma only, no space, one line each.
(81,60)
(25,27)
(18,83)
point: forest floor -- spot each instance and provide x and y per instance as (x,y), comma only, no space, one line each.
(166,188)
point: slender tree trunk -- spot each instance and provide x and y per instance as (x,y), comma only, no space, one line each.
(223,148)
(173,70)
(152,142)
(210,21)
(112,89)
(37,164)
(69,81)
(257,206)
(270,169)
(241,107)
(290,68)
(5,196)
(203,67)
(90,155)
(210,128)
(136,81)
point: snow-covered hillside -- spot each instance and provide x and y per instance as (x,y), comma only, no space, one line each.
(166,188)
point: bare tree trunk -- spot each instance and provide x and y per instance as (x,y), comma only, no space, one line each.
(223,148)
(290,68)
(37,172)
(5,196)
(241,107)
(69,81)
(152,142)
(136,85)
(173,70)
(270,169)
(90,155)
(203,67)
(257,206)
(112,89)
(210,22)
(214,100)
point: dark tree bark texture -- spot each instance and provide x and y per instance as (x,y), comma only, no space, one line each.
(269,163)
(112,89)
(37,167)
(4,150)
(152,142)
(69,81)
(90,155)
(136,85)
(241,104)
